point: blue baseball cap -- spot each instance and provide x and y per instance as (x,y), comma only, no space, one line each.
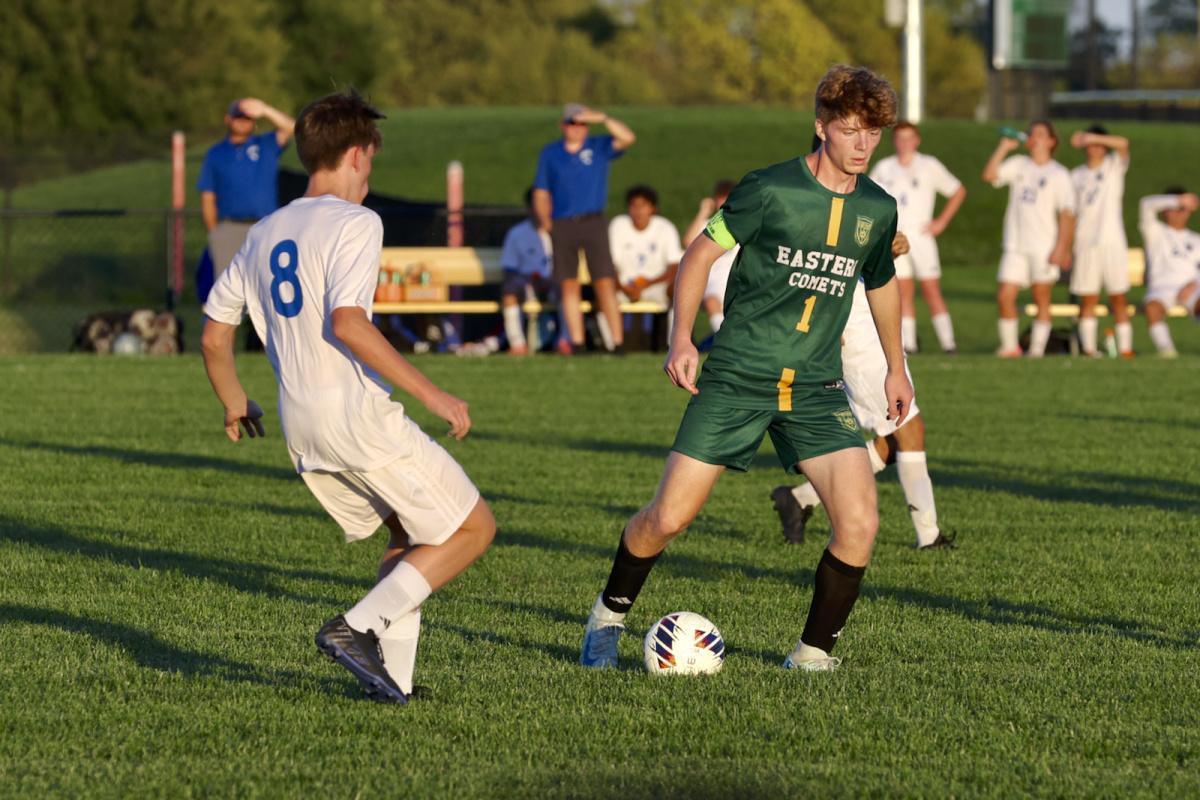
(235,110)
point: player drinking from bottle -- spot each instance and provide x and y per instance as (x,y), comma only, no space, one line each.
(306,275)
(809,228)
(1038,225)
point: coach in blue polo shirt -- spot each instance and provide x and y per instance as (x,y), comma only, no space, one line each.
(570,193)
(237,180)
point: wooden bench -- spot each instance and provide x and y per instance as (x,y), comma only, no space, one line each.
(1136,263)
(473,266)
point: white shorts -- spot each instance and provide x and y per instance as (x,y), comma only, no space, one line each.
(1168,295)
(427,490)
(922,261)
(1099,267)
(1025,269)
(864,369)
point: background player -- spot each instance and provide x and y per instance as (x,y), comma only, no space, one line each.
(525,258)
(808,227)
(1038,225)
(306,275)
(900,442)
(1101,252)
(915,180)
(646,252)
(1172,261)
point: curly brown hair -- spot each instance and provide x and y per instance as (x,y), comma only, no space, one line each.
(847,91)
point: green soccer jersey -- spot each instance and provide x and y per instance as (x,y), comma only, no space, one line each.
(792,283)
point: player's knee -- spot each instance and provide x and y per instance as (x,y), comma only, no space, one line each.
(482,526)
(859,527)
(667,523)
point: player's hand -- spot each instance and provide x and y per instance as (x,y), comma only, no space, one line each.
(1189,201)
(1061,257)
(248,417)
(899,244)
(252,107)
(682,362)
(935,228)
(591,116)
(708,207)
(453,410)
(899,392)
(632,291)
(1079,139)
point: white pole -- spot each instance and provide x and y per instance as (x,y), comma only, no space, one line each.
(914,63)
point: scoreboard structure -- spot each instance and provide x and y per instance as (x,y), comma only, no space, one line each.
(1030,34)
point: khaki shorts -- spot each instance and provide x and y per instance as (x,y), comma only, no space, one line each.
(427,490)
(224,241)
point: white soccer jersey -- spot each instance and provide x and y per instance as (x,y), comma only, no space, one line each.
(864,368)
(297,265)
(915,188)
(1037,193)
(644,254)
(1099,193)
(1172,256)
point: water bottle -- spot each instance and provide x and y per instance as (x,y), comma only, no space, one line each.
(1009,132)
(1110,342)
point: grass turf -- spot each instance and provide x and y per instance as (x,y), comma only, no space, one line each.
(160,586)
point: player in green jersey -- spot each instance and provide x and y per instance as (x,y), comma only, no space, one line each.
(808,229)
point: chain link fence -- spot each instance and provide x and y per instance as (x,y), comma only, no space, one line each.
(58,267)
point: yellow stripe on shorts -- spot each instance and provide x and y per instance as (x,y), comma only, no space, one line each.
(786,378)
(835,221)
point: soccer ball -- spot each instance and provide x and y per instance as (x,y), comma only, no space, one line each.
(683,643)
(127,344)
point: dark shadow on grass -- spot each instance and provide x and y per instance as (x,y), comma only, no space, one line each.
(151,652)
(1105,489)
(561,441)
(558,652)
(240,575)
(151,458)
(993,611)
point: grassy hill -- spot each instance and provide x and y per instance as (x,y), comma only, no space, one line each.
(680,151)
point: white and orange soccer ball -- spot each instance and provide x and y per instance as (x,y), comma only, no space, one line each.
(683,643)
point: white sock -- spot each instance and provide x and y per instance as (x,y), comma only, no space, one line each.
(401,592)
(1038,338)
(603,615)
(806,495)
(606,334)
(1008,334)
(1160,334)
(1087,334)
(715,321)
(918,491)
(399,646)
(512,326)
(908,333)
(1124,337)
(944,329)
(806,652)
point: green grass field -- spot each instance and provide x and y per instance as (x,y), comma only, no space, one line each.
(160,586)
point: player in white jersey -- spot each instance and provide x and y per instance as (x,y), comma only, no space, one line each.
(915,180)
(1100,246)
(864,368)
(713,301)
(1038,225)
(645,252)
(1172,261)
(306,275)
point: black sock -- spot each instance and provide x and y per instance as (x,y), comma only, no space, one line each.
(625,581)
(835,589)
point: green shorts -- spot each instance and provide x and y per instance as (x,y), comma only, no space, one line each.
(820,422)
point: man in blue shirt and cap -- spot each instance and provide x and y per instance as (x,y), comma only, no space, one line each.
(237,179)
(570,193)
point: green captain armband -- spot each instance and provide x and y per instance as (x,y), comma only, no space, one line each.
(718,231)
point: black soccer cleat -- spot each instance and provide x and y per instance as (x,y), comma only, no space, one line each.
(792,516)
(359,653)
(942,542)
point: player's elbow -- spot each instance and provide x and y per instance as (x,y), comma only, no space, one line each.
(216,339)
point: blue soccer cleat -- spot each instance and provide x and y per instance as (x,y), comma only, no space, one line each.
(600,645)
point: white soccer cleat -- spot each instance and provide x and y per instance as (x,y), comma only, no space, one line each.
(810,659)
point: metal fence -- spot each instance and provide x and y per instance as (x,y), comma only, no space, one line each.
(58,267)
